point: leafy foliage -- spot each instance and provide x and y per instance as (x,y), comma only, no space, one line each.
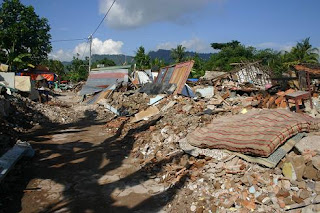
(106,62)
(304,53)
(279,62)
(232,52)
(220,46)
(24,37)
(142,59)
(198,69)
(55,66)
(178,54)
(78,69)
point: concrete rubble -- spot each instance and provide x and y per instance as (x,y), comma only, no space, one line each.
(213,180)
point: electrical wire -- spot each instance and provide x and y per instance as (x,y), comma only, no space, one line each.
(103,18)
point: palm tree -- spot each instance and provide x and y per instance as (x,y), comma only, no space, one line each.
(157,63)
(142,59)
(178,53)
(303,52)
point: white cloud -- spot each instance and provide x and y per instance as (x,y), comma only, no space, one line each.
(275,46)
(131,14)
(167,45)
(194,44)
(98,47)
(61,55)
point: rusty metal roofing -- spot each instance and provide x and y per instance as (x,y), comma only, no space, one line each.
(99,79)
(176,74)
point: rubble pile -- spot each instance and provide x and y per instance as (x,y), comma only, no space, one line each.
(213,179)
(227,184)
(19,114)
(131,102)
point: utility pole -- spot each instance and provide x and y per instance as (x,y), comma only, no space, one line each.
(90,40)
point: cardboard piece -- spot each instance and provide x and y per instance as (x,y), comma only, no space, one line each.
(22,83)
(145,114)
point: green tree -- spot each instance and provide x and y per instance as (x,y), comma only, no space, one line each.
(178,54)
(303,52)
(106,62)
(55,66)
(78,70)
(157,63)
(198,69)
(233,53)
(220,46)
(24,36)
(142,59)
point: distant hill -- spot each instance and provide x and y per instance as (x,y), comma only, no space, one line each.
(118,59)
(161,54)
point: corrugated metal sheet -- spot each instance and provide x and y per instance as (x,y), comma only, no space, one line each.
(99,79)
(177,74)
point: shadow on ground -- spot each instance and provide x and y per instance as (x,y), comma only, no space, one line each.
(78,165)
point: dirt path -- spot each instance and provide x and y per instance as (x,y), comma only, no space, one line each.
(80,167)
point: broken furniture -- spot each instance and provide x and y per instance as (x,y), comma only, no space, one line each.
(11,157)
(299,96)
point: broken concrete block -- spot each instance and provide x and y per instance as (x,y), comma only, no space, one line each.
(283,193)
(309,143)
(311,173)
(316,162)
(304,194)
(169,105)
(288,171)
(206,92)
(317,186)
(297,199)
(145,114)
(187,108)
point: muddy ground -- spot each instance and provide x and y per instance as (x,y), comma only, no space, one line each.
(81,167)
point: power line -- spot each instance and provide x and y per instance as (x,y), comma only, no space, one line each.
(76,39)
(103,18)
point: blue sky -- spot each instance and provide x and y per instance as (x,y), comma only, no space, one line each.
(277,24)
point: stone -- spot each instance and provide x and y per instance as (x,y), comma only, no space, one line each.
(310,173)
(288,201)
(186,108)
(298,163)
(193,208)
(249,204)
(304,194)
(299,170)
(317,186)
(288,171)
(281,202)
(297,199)
(286,185)
(302,185)
(316,162)
(310,185)
(266,200)
(283,193)
(308,143)
(212,107)
(252,190)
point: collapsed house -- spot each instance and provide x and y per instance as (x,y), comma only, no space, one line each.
(101,78)
(238,144)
